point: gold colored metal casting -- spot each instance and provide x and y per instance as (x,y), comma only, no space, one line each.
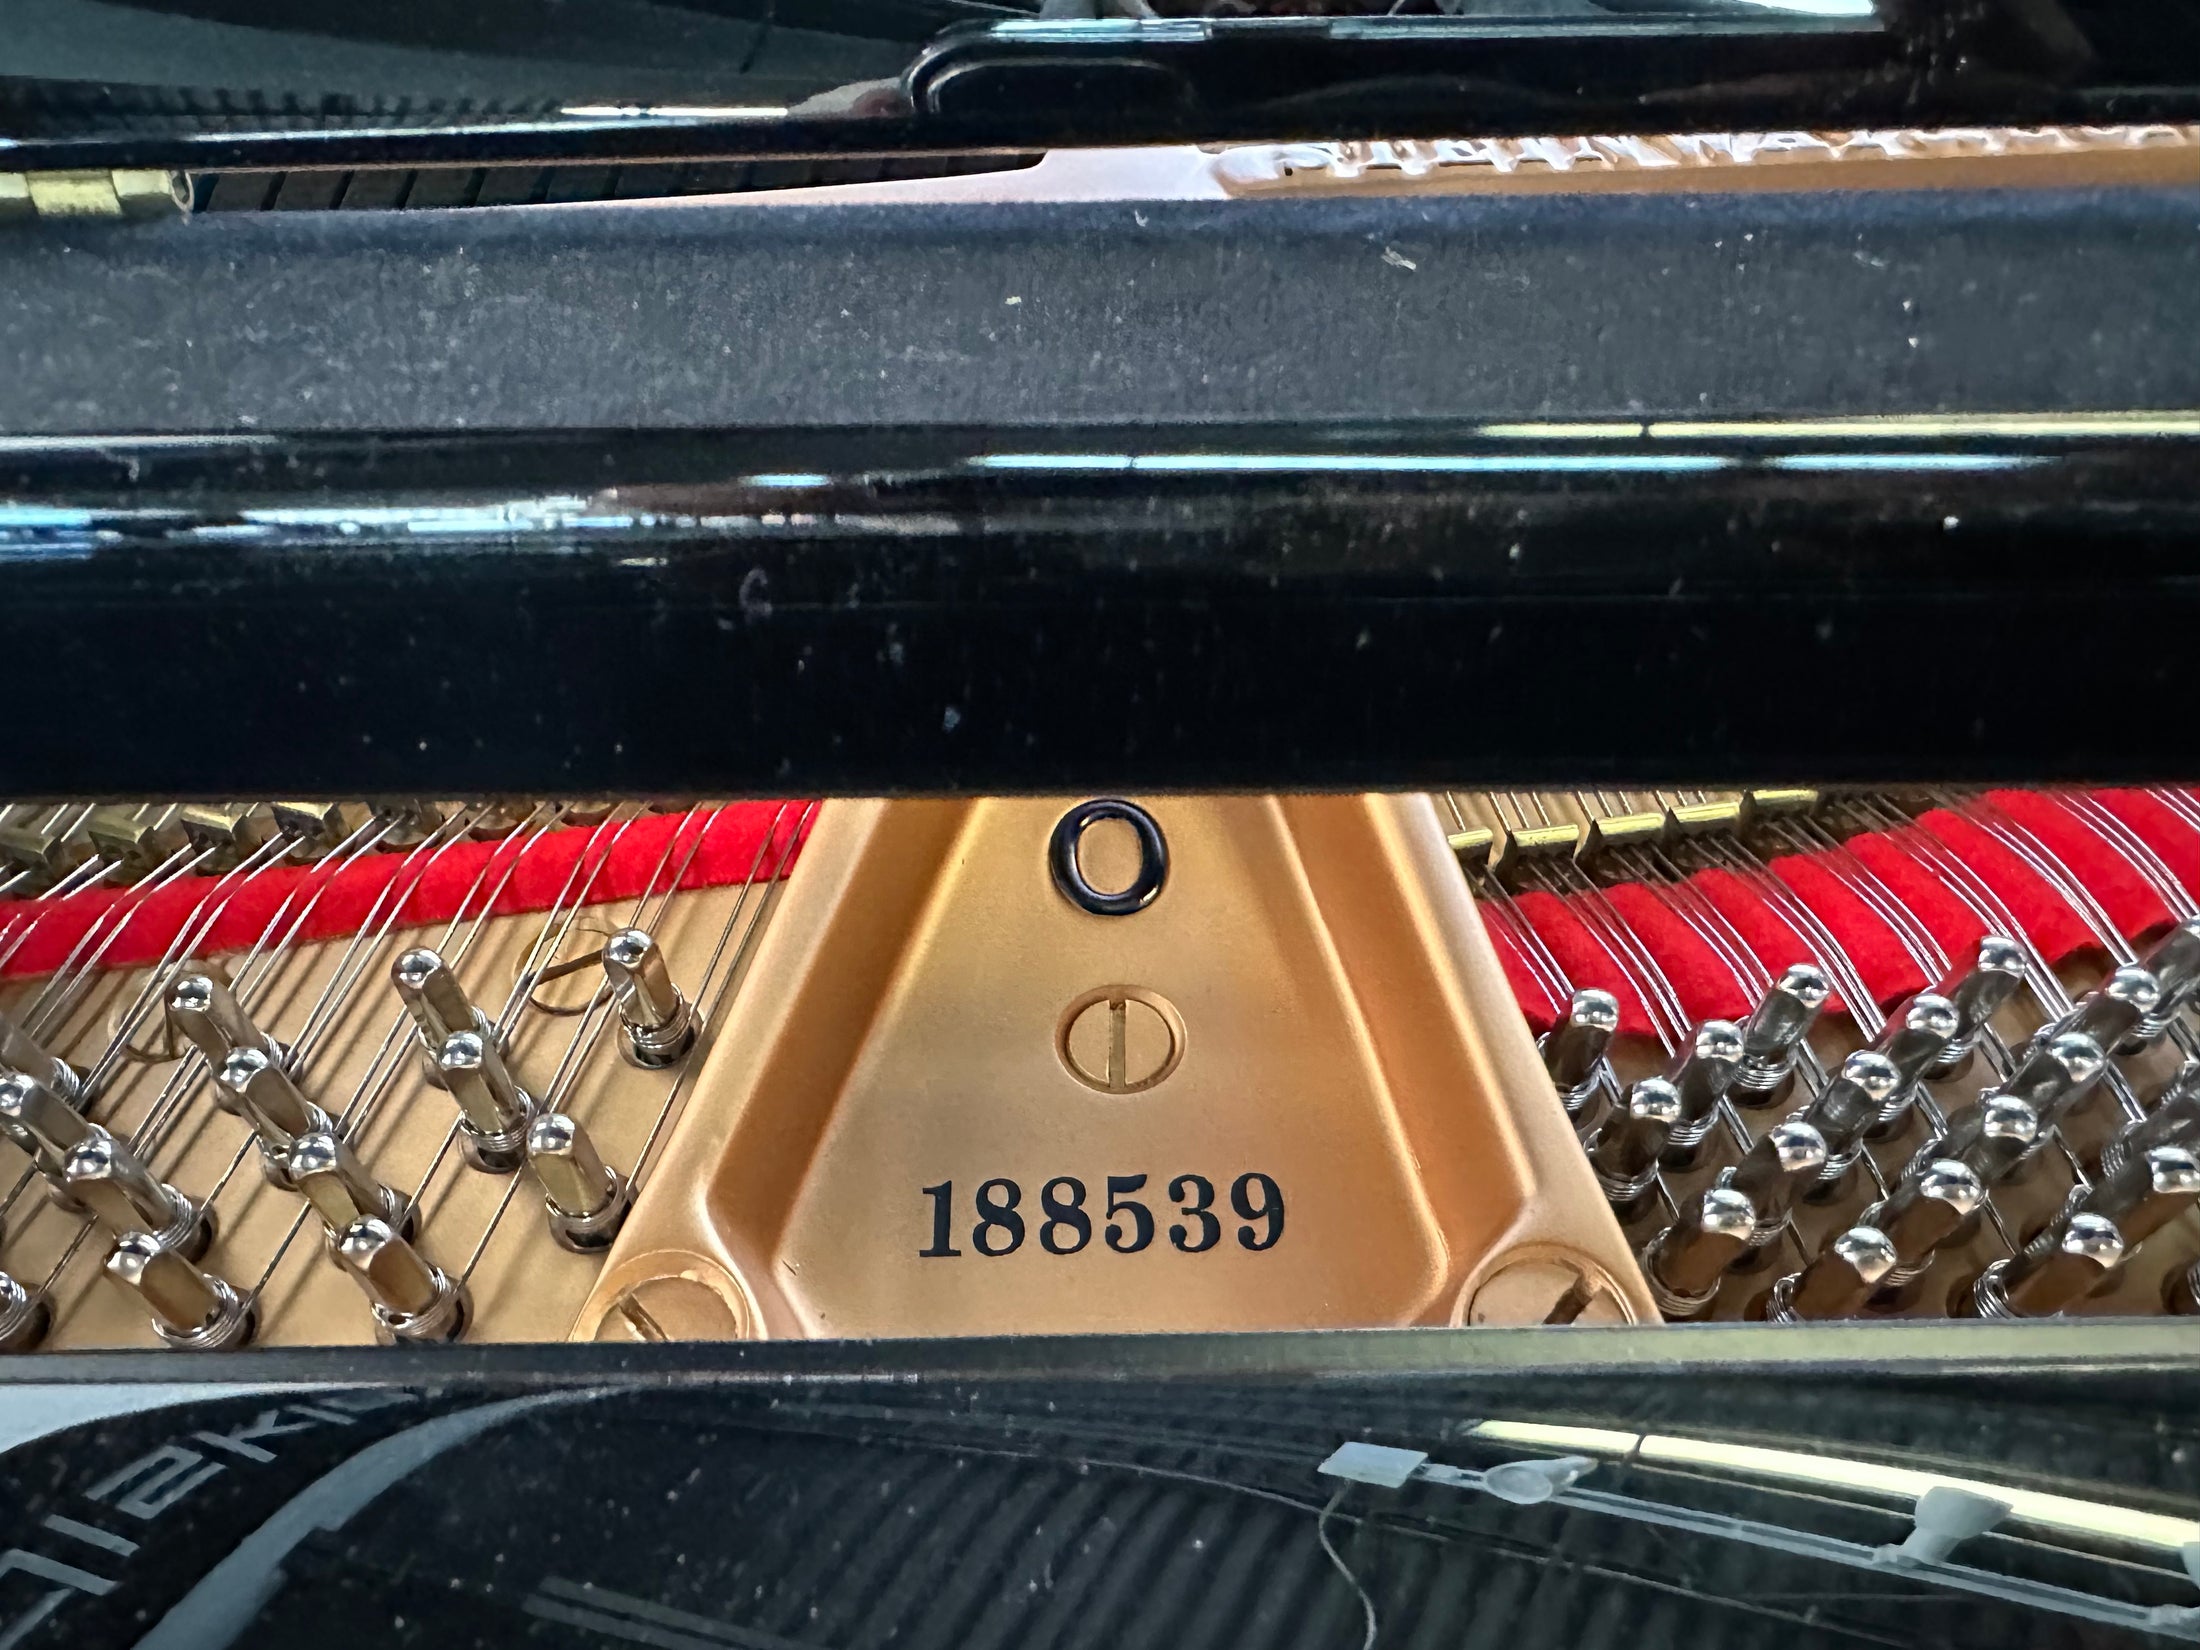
(1289,1090)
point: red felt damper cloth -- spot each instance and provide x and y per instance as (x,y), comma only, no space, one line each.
(1702,978)
(1583,958)
(2131,903)
(1536,1003)
(1954,926)
(428,887)
(2056,932)
(2153,821)
(1771,938)
(1869,941)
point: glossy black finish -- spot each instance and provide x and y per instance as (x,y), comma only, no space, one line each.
(1106,1491)
(252,83)
(1695,305)
(960,610)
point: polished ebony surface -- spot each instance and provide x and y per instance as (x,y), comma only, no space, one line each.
(260,83)
(1714,1487)
(854,611)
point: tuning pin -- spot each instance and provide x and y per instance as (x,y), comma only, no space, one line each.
(332,1178)
(2147,1190)
(1853,1099)
(1921,1215)
(437,1003)
(25,1315)
(2043,1279)
(1912,1042)
(2055,1074)
(106,1178)
(1685,1262)
(412,1300)
(1626,1146)
(660,1024)
(1839,1281)
(1978,989)
(2175,964)
(585,1197)
(261,1092)
(1576,1046)
(2181,1291)
(1701,1075)
(204,1010)
(2112,1012)
(21,1052)
(1776,1029)
(1992,1137)
(41,1122)
(493,1109)
(1786,1161)
(2174,1120)
(192,1309)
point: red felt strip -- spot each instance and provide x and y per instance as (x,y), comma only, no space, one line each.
(1771,938)
(2131,904)
(611,862)
(1954,926)
(1583,957)
(2056,931)
(2161,828)
(1700,976)
(1882,961)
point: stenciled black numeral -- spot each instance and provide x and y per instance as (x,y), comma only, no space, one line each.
(1067,1229)
(1210,1229)
(943,1211)
(997,1200)
(1063,1198)
(1269,1208)
(1141,1232)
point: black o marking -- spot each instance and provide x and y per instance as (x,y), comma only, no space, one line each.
(1069,877)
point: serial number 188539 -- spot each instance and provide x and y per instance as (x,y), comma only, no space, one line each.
(1065,1225)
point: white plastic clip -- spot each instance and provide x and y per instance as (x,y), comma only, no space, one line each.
(1946,1517)
(1531,1483)
(1373,1464)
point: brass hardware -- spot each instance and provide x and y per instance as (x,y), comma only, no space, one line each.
(1472,847)
(123,192)
(1120,1039)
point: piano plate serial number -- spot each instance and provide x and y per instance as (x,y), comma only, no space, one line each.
(1065,1215)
